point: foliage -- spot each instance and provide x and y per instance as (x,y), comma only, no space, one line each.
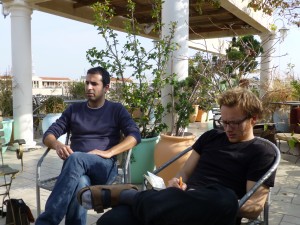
(292,142)
(199,4)
(288,9)
(295,89)
(210,74)
(280,91)
(77,90)
(141,88)
(201,82)
(242,54)
(53,104)
(6,99)
(180,107)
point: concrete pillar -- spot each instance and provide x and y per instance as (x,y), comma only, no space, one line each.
(176,11)
(22,70)
(266,67)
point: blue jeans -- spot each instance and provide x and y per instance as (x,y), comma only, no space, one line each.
(79,170)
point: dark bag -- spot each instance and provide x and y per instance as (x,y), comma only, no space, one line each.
(17,210)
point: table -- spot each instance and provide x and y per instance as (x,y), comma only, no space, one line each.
(291,103)
(287,137)
(74,101)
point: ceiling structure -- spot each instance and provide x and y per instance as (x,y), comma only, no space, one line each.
(214,22)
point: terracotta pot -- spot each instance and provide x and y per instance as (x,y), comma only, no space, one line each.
(169,146)
(204,117)
(193,115)
(199,115)
(295,120)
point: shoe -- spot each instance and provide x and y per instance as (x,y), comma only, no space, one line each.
(97,195)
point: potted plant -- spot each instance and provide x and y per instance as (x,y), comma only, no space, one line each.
(209,75)
(53,107)
(184,96)
(139,75)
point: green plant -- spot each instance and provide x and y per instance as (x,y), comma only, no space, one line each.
(77,90)
(295,89)
(6,99)
(53,104)
(132,62)
(211,74)
(201,81)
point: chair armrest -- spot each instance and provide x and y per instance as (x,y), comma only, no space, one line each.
(179,155)
(39,164)
(265,176)
(20,141)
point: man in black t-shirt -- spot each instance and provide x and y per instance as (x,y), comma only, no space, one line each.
(223,166)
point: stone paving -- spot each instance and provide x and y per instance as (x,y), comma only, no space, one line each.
(285,197)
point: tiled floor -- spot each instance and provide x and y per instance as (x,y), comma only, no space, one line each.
(285,198)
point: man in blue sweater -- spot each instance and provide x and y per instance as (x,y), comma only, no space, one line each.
(96,126)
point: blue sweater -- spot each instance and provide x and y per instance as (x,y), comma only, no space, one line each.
(95,128)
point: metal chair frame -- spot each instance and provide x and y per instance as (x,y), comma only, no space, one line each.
(265,214)
(6,172)
(123,160)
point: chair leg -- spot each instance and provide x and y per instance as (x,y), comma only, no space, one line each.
(38,200)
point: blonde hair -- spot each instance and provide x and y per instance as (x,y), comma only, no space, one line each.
(246,100)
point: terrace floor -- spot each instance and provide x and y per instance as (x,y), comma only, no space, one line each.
(285,198)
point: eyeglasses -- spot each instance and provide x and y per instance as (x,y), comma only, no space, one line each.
(233,123)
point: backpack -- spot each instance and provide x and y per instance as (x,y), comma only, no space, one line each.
(18,210)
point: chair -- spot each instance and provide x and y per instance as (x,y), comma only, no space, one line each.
(123,161)
(264,218)
(7,173)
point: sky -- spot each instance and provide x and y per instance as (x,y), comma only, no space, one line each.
(59,46)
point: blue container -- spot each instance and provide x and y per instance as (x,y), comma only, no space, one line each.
(47,122)
(142,159)
(7,128)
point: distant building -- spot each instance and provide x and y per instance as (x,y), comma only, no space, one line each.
(47,85)
(59,85)
(50,85)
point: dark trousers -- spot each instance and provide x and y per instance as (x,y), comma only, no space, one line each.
(211,205)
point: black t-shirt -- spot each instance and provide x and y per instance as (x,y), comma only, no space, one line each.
(230,164)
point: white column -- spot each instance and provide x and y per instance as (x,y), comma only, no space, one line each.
(22,70)
(176,11)
(266,67)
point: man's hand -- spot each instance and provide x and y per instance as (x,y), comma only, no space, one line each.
(104,154)
(175,182)
(63,151)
